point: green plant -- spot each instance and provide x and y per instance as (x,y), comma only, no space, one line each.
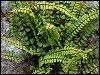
(53,34)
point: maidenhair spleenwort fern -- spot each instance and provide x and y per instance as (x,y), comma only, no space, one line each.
(53,33)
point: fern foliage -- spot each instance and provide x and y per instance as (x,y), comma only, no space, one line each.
(53,33)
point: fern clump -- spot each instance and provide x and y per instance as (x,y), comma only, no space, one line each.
(53,34)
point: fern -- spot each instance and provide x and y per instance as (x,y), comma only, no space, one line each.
(81,23)
(61,8)
(57,56)
(13,56)
(53,34)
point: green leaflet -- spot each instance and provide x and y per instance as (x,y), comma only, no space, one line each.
(27,29)
(45,45)
(32,41)
(42,70)
(23,33)
(72,72)
(26,38)
(39,44)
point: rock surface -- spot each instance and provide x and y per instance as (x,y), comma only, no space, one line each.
(11,67)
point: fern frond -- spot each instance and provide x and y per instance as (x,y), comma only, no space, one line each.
(24,10)
(16,44)
(84,35)
(61,8)
(60,55)
(74,29)
(78,7)
(11,56)
(18,4)
(52,59)
(66,51)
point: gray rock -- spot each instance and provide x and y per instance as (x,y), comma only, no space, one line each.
(5,6)
(4,26)
(92,3)
(11,67)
